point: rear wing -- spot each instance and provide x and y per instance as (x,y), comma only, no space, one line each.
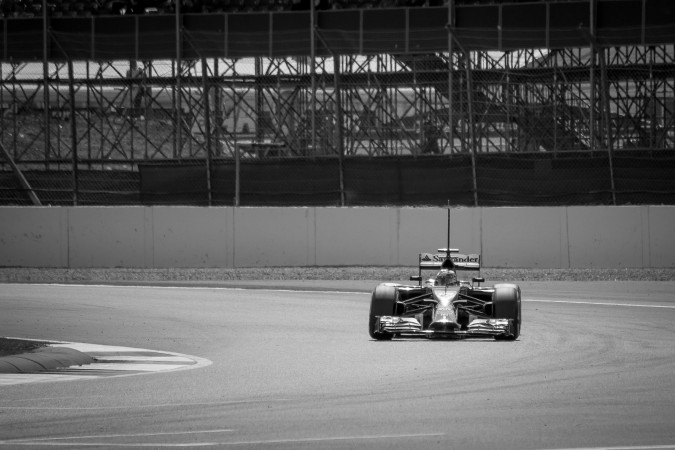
(459,261)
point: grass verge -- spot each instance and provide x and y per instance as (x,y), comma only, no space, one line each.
(10,346)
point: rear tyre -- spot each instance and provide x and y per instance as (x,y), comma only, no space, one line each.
(382,303)
(506,305)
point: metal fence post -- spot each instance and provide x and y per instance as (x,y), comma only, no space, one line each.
(73,130)
(207,129)
(259,100)
(605,113)
(177,84)
(604,94)
(312,71)
(217,100)
(237,152)
(45,76)
(338,122)
(451,125)
(472,126)
(592,78)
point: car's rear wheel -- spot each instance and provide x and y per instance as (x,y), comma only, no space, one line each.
(506,305)
(382,303)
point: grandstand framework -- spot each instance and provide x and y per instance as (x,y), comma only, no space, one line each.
(545,79)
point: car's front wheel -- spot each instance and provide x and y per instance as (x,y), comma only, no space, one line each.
(382,303)
(506,305)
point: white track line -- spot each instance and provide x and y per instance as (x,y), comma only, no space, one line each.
(196,288)
(334,438)
(109,436)
(626,447)
(311,291)
(147,406)
(576,302)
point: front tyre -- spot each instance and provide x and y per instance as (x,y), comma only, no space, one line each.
(506,305)
(382,303)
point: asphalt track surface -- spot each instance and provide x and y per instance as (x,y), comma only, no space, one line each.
(594,368)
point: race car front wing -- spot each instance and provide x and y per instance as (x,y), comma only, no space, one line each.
(410,326)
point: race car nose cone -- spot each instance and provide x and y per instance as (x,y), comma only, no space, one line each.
(444,325)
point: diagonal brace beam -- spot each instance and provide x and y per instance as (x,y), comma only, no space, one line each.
(24,183)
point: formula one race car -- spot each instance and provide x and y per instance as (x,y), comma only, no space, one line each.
(443,306)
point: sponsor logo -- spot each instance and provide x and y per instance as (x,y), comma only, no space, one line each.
(466,259)
(438,258)
(432,258)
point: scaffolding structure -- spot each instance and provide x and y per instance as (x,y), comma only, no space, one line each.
(529,100)
(343,97)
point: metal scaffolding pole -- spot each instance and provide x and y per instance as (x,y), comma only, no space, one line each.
(312,70)
(593,95)
(605,112)
(73,130)
(217,100)
(338,124)
(178,94)
(207,129)
(237,151)
(45,76)
(472,126)
(608,121)
(451,91)
(258,100)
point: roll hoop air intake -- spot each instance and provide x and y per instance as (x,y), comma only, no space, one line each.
(448,264)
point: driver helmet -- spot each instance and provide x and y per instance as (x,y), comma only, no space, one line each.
(446,278)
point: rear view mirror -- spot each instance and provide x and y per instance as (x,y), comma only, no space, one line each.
(416,278)
(478,280)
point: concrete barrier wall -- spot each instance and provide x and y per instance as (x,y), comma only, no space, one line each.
(109,237)
(532,237)
(172,236)
(618,244)
(660,241)
(190,237)
(34,237)
(273,237)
